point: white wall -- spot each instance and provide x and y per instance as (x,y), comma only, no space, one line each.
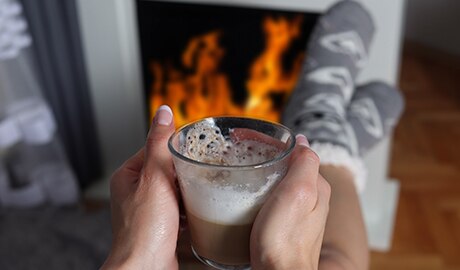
(434,23)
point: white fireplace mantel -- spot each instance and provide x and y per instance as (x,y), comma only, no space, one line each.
(111,49)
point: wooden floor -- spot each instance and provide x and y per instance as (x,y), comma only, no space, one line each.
(426,160)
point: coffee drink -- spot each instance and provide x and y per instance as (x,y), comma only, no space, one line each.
(225,177)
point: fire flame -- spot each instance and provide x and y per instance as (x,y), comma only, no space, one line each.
(205,91)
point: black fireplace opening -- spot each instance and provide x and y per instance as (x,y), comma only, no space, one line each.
(207,60)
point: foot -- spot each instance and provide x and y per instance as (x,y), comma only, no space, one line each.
(373,112)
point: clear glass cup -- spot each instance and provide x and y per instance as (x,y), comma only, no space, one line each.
(222,200)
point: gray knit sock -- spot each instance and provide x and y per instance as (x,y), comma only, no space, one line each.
(373,112)
(337,51)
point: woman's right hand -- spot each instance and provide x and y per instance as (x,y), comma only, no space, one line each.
(288,231)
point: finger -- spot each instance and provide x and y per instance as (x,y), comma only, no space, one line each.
(302,140)
(300,185)
(135,162)
(124,177)
(157,155)
(324,189)
(130,168)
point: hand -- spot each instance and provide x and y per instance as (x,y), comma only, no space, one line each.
(288,231)
(144,202)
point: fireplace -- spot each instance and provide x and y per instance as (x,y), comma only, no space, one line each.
(123,75)
(208,60)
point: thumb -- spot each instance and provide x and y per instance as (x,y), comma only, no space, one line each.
(157,155)
(300,185)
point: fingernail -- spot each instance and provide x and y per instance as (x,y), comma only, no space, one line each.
(164,115)
(302,140)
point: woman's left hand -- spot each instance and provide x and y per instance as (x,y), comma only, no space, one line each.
(144,204)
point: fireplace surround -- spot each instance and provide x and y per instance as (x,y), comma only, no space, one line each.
(113,57)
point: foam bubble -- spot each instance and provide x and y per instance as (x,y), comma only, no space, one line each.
(205,143)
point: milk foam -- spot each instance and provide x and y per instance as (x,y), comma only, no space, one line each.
(236,205)
(226,196)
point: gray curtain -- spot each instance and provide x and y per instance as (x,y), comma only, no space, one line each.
(60,66)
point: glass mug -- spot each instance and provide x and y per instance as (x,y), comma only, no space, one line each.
(222,199)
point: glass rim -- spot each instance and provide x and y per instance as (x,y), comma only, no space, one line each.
(267,163)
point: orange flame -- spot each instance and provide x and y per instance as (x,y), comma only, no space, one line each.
(205,91)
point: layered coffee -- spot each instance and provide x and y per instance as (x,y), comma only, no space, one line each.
(222,202)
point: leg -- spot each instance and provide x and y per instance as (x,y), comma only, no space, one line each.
(345,241)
